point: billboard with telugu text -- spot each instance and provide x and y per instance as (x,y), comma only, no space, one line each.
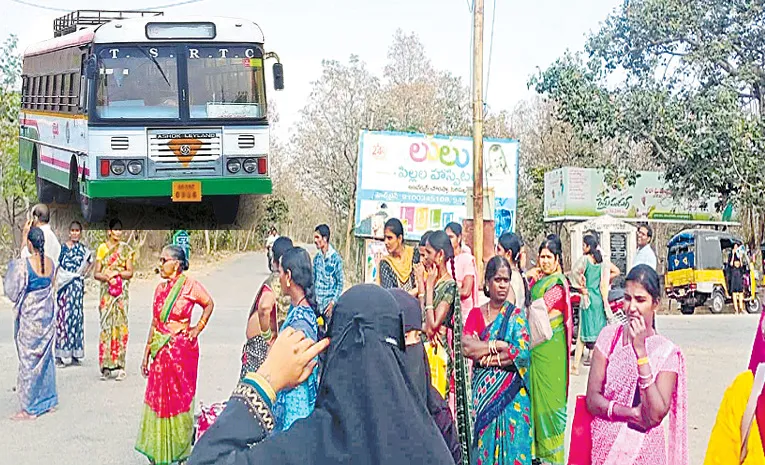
(573,194)
(424,181)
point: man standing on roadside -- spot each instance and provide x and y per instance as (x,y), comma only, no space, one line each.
(645,254)
(327,273)
(40,218)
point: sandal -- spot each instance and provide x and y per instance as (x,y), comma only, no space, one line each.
(121,375)
(105,374)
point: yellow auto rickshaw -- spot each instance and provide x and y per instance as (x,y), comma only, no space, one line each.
(698,266)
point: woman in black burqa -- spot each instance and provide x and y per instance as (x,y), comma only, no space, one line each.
(418,371)
(367,409)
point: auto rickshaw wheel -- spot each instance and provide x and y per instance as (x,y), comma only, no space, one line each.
(717,304)
(753,306)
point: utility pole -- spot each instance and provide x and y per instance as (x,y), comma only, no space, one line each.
(478,136)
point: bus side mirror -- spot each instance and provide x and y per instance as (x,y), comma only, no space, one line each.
(278,76)
(91,67)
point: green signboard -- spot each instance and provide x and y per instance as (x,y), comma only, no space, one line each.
(181,238)
(574,194)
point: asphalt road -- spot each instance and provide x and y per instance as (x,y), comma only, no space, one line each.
(97,421)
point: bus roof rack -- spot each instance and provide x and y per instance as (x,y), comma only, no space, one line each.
(81,19)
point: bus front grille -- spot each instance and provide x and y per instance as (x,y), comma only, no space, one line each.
(182,152)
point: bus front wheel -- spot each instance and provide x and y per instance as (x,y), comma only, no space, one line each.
(225,208)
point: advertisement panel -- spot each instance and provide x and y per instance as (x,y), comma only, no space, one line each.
(580,193)
(424,181)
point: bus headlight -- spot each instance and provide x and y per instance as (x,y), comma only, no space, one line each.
(118,167)
(233,166)
(250,165)
(135,167)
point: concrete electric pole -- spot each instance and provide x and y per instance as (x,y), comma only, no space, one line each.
(478,136)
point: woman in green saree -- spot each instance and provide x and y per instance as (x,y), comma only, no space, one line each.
(443,326)
(549,355)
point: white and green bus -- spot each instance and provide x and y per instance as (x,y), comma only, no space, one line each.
(139,106)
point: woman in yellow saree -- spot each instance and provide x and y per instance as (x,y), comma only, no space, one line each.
(114,269)
(739,432)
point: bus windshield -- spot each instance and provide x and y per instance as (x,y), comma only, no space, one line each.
(137,82)
(226,82)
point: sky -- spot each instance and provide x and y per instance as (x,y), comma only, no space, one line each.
(527,35)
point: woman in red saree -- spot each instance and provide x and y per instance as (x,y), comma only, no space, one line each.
(637,378)
(171,361)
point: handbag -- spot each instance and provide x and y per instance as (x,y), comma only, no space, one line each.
(580,447)
(115,290)
(539,323)
(438,360)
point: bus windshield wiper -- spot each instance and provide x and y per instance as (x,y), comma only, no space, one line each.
(154,60)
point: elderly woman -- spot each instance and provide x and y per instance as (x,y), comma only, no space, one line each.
(28,284)
(637,378)
(170,362)
(367,410)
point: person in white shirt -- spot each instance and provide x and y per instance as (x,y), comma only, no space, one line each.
(40,218)
(645,254)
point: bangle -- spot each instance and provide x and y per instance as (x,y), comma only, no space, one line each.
(421,296)
(646,385)
(642,361)
(645,376)
(428,307)
(611,406)
(266,334)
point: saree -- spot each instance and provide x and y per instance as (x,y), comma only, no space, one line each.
(613,442)
(549,378)
(298,402)
(71,291)
(726,440)
(167,425)
(397,272)
(458,388)
(112,342)
(34,332)
(255,348)
(501,399)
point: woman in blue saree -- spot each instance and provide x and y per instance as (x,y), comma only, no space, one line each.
(28,284)
(296,279)
(497,340)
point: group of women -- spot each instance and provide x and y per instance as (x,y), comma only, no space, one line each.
(505,411)
(49,318)
(371,396)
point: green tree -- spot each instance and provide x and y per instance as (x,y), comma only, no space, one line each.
(17,188)
(679,85)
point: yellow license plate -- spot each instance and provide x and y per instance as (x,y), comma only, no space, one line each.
(187,191)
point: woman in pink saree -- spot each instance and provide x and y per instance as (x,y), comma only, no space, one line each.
(637,378)
(171,361)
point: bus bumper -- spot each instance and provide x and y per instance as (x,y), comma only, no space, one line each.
(143,188)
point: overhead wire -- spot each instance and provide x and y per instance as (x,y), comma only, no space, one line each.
(69,10)
(491,50)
